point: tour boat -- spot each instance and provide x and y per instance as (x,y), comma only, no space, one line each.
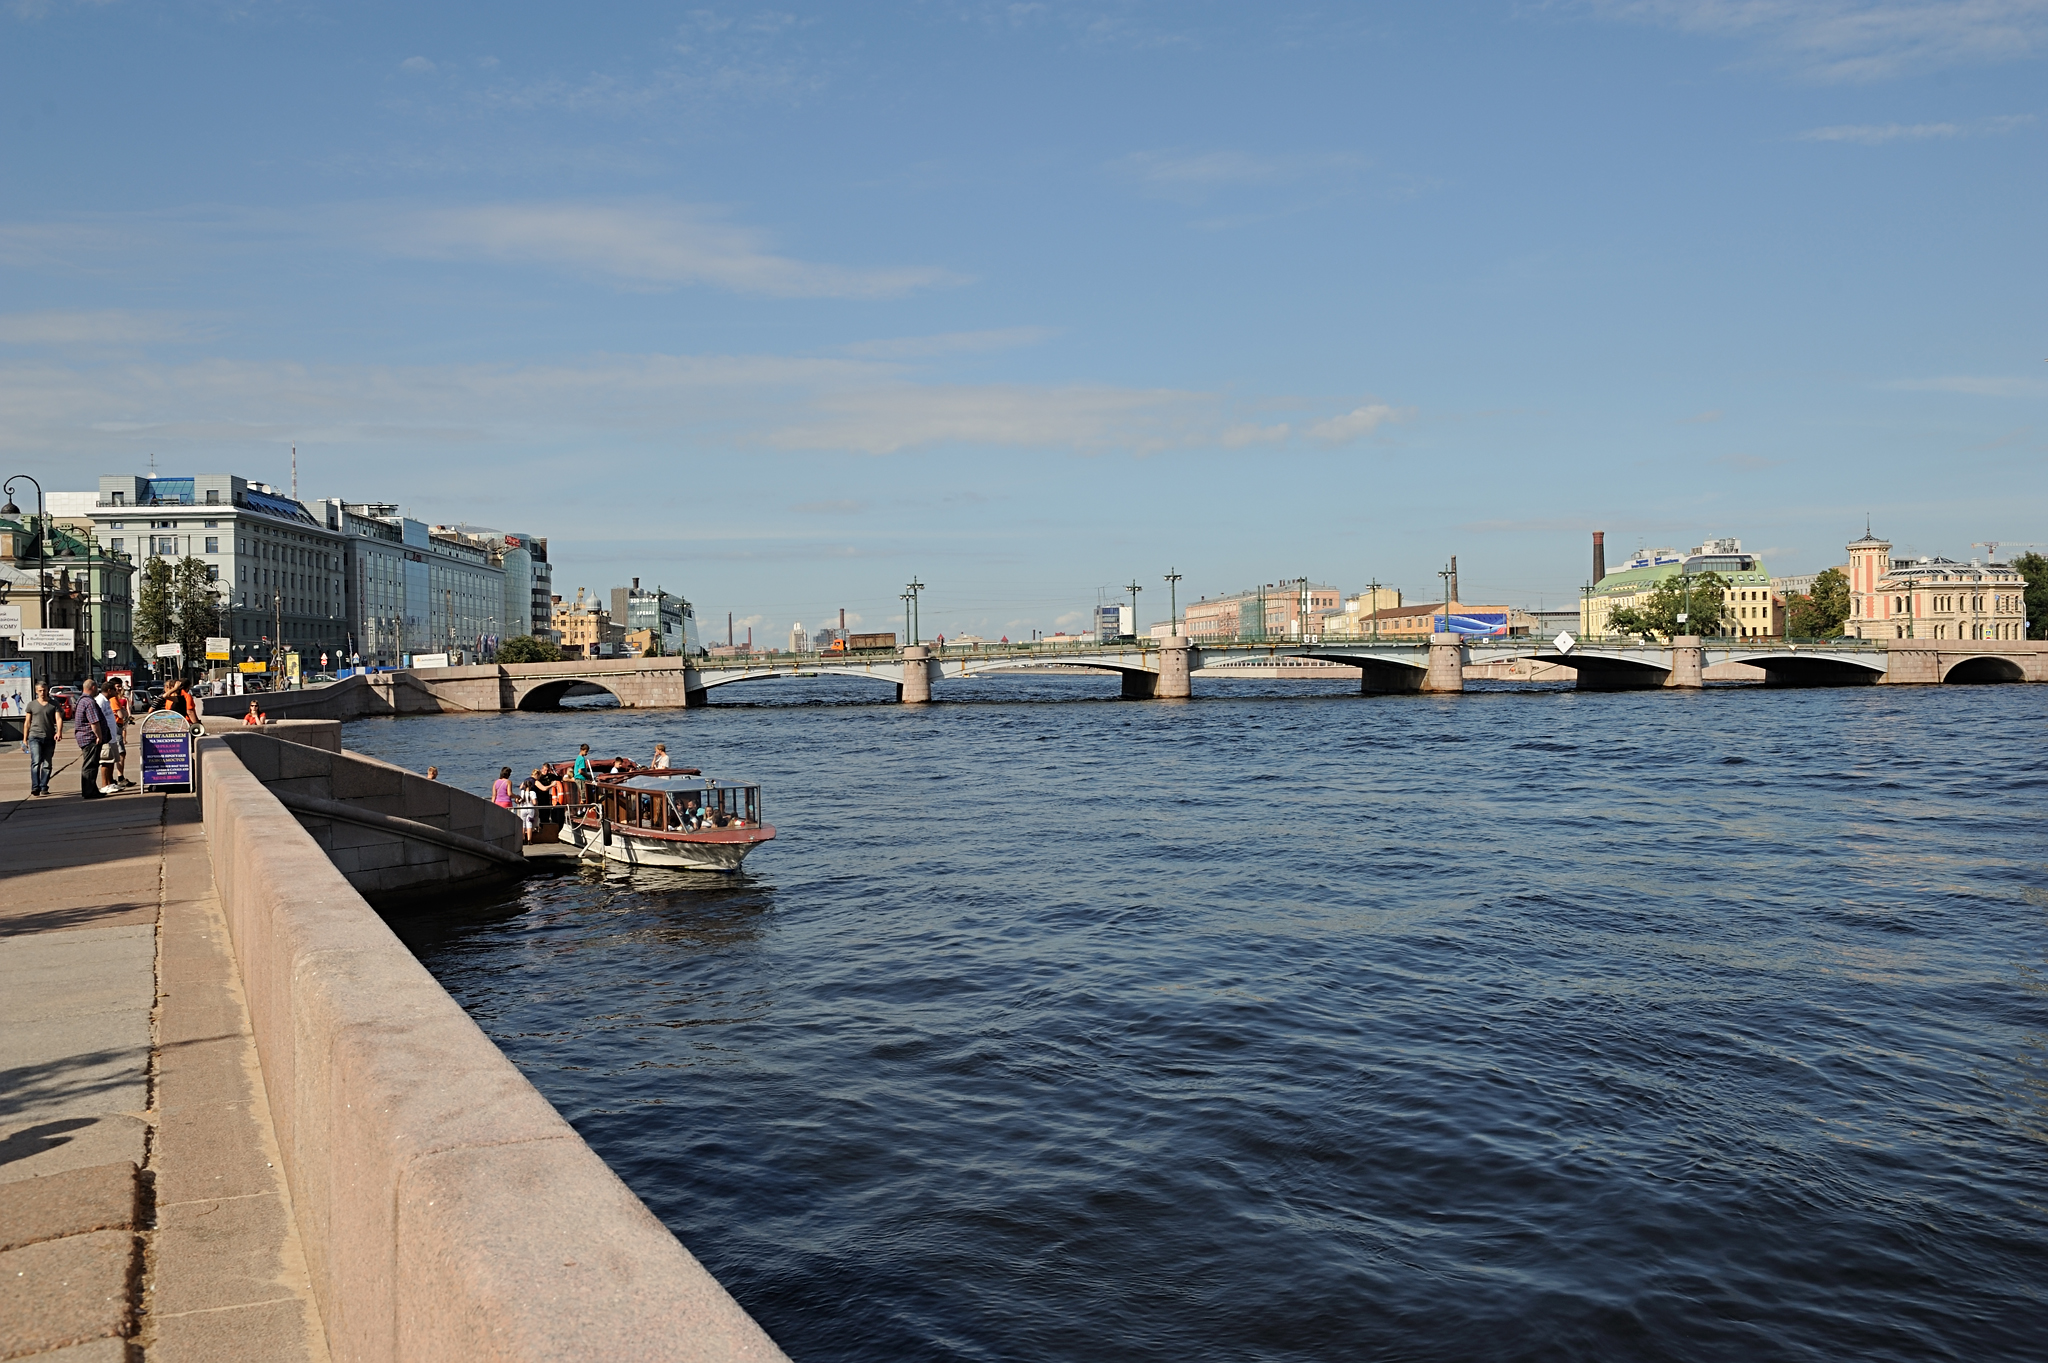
(661,817)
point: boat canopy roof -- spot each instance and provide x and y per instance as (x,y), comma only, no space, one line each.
(650,781)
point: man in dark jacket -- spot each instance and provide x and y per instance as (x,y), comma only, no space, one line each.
(95,743)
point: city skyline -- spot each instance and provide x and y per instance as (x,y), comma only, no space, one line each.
(1028,301)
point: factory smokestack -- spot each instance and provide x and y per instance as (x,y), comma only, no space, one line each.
(842,619)
(1599,554)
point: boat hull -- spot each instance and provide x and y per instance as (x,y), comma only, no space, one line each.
(721,855)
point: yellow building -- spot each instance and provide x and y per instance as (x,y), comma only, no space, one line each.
(1749,608)
(585,628)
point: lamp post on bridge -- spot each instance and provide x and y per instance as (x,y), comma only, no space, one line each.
(908,637)
(1447,574)
(916,589)
(1133,588)
(1172,601)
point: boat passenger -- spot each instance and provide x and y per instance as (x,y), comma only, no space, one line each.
(501,789)
(526,807)
(659,762)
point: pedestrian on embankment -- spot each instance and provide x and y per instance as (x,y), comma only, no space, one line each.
(95,762)
(179,701)
(43,727)
(501,789)
(114,701)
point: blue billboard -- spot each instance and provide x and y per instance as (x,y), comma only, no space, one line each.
(1476,623)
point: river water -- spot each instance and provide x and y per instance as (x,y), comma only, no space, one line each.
(1293,1024)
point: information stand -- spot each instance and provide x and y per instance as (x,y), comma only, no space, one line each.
(166,751)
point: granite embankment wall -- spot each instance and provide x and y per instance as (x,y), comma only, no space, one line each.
(449,1212)
(386,829)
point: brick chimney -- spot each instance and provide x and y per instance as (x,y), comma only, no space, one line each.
(1599,554)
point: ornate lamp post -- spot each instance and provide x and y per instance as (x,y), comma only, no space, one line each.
(42,553)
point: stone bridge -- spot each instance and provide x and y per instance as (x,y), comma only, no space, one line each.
(1163,669)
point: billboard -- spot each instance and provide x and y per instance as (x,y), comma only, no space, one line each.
(15,691)
(1472,623)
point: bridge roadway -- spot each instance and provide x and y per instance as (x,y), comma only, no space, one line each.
(1163,669)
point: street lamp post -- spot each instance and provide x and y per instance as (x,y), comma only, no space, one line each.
(1173,601)
(42,554)
(1134,589)
(916,590)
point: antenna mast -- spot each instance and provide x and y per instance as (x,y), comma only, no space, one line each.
(295,473)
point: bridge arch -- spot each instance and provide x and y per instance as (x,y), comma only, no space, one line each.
(1981,670)
(1793,669)
(549,694)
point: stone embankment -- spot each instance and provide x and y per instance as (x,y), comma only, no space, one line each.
(241,1121)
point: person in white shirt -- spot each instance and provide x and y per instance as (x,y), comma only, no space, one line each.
(659,762)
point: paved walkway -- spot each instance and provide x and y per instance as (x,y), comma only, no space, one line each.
(143,1214)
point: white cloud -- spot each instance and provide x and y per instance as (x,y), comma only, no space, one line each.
(690,402)
(645,244)
(905,416)
(417,66)
(1850,40)
(948,343)
(109,327)
(1877,134)
(1355,423)
(1250,433)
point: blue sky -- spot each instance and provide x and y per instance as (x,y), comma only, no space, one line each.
(781,306)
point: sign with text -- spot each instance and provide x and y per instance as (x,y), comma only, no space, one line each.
(49,640)
(255,667)
(10,622)
(170,650)
(430,660)
(166,751)
(217,647)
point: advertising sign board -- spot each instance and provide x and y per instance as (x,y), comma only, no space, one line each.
(291,668)
(255,667)
(430,660)
(49,640)
(166,751)
(15,690)
(170,650)
(217,647)
(123,675)
(1476,622)
(10,622)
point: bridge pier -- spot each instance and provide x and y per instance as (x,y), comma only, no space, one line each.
(1139,685)
(1172,682)
(917,676)
(1446,663)
(1686,663)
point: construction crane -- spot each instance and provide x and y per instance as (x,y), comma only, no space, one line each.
(1990,547)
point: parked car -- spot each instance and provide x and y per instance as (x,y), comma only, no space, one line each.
(66,698)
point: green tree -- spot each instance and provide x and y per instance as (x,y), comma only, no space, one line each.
(1699,597)
(524,648)
(1820,614)
(2034,568)
(178,603)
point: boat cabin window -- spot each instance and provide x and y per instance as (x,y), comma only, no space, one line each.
(673,810)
